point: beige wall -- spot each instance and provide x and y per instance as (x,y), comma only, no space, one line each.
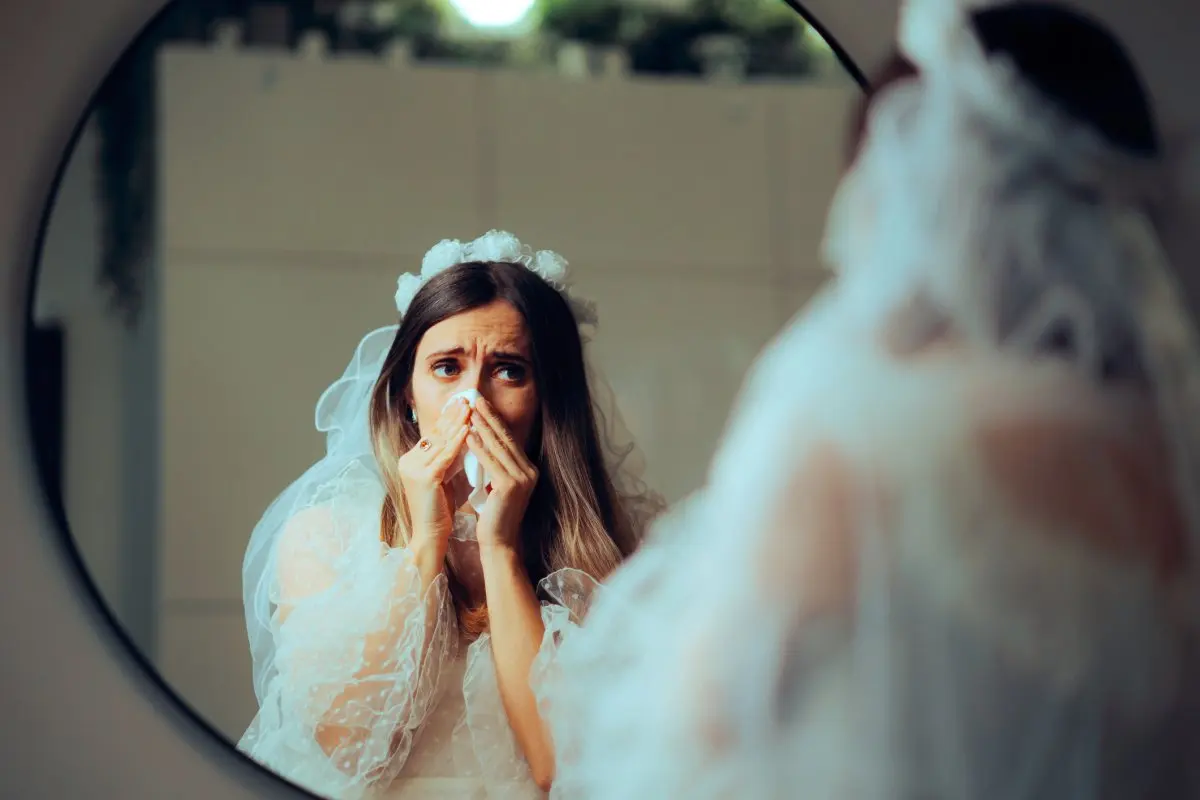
(293,193)
(109,385)
(94,345)
(67,296)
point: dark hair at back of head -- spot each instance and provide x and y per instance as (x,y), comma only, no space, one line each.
(1069,57)
(1076,62)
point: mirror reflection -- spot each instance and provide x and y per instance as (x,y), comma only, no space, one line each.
(268,196)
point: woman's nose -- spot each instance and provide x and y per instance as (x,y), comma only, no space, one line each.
(472,378)
(476,380)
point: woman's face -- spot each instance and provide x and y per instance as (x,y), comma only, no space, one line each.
(486,349)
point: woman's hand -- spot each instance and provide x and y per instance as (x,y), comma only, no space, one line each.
(423,478)
(512,479)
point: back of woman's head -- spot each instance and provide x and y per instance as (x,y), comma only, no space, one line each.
(1071,59)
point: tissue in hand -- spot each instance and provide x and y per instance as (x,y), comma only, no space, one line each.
(468,463)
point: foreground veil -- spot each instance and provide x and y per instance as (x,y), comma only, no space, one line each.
(345,487)
(859,609)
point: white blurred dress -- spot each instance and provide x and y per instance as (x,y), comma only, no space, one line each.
(949,547)
(356,648)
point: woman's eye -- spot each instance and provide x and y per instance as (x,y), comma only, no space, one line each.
(511,372)
(445,369)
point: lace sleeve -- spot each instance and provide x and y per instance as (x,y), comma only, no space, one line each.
(570,593)
(359,647)
(485,744)
(599,640)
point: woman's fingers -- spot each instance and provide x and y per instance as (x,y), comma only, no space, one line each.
(450,449)
(497,461)
(486,455)
(498,444)
(454,415)
(488,421)
(446,428)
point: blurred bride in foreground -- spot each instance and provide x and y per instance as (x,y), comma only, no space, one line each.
(946,550)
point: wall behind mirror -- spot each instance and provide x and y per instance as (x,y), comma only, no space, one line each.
(239,203)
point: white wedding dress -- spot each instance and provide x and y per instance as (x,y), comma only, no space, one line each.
(948,546)
(358,648)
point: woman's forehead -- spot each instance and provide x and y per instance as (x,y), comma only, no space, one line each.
(496,326)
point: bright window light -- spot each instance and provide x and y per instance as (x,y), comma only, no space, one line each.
(493,13)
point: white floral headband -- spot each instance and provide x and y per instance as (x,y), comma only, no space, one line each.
(493,246)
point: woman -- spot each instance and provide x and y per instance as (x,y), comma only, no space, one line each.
(947,547)
(399,644)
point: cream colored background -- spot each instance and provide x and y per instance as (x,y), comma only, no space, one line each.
(291,195)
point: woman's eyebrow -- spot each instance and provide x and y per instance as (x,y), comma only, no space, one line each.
(502,355)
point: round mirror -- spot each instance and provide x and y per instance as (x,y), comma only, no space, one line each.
(254,177)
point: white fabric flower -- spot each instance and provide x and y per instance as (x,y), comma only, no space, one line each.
(551,267)
(497,246)
(442,256)
(407,286)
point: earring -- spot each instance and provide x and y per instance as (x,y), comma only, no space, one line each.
(412,415)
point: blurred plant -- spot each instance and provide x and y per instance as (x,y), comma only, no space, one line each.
(416,19)
(775,35)
(772,32)
(371,24)
(603,23)
(125,188)
(124,112)
(667,43)
(755,16)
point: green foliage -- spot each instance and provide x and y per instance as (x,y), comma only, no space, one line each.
(755,16)
(598,22)
(418,19)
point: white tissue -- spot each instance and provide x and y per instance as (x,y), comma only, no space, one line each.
(468,463)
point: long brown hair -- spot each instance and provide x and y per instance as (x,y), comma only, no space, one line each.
(575,519)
